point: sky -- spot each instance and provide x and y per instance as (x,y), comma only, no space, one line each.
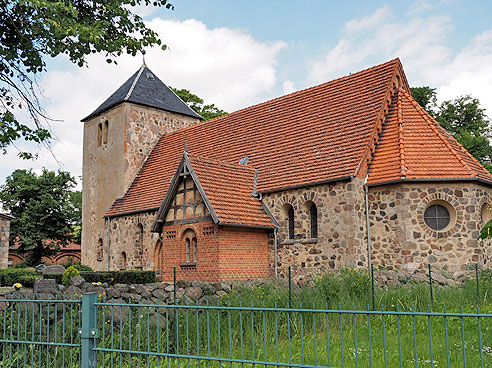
(238,53)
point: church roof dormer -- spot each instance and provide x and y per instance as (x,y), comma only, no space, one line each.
(144,88)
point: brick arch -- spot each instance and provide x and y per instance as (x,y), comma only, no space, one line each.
(439,196)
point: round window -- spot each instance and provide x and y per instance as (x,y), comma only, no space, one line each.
(437,217)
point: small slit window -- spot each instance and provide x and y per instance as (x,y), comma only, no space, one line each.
(313,215)
(105,132)
(99,134)
(437,217)
(291,222)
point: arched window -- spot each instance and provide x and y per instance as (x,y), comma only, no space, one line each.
(188,250)
(190,243)
(100,250)
(123,261)
(105,132)
(193,243)
(99,134)
(313,216)
(139,234)
(291,222)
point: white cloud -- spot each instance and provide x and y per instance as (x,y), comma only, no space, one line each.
(224,66)
(420,40)
(288,87)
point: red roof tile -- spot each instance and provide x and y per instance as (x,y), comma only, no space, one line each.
(414,146)
(311,136)
(228,188)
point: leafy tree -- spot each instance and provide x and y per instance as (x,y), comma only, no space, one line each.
(426,97)
(467,122)
(76,201)
(33,30)
(196,103)
(42,209)
(464,118)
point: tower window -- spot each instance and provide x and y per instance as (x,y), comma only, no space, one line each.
(105,132)
(313,215)
(291,223)
(100,250)
(99,134)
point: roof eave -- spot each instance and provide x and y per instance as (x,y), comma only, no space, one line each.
(102,112)
(427,180)
(248,226)
(305,185)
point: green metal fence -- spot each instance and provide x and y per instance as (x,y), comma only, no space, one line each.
(36,332)
(113,333)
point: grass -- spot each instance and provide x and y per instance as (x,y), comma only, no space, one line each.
(255,326)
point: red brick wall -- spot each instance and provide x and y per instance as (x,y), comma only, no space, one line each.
(243,253)
(222,253)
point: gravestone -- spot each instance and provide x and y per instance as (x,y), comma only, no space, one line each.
(45,286)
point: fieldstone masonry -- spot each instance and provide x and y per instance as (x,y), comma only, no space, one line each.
(4,240)
(341,228)
(401,239)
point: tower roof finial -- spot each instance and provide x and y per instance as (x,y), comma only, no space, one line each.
(143,58)
(186,148)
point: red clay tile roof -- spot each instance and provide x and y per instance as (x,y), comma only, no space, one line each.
(316,135)
(414,146)
(228,189)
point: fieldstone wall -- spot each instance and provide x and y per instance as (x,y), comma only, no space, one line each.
(341,228)
(4,241)
(126,238)
(109,168)
(401,239)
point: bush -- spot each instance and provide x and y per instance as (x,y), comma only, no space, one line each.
(91,276)
(69,274)
(134,277)
(10,276)
(23,264)
(81,267)
(28,280)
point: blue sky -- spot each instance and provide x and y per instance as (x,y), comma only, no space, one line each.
(237,53)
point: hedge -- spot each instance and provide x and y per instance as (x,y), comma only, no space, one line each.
(97,276)
(120,277)
(9,276)
(134,277)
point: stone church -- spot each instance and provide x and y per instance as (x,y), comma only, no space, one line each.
(332,176)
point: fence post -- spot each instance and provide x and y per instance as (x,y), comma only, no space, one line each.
(372,286)
(430,283)
(88,332)
(478,285)
(290,288)
(175,314)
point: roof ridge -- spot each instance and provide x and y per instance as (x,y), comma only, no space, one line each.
(401,142)
(132,87)
(378,127)
(432,125)
(396,60)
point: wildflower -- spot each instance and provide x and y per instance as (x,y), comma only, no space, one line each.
(17,286)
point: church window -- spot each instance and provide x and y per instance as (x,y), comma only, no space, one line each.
(190,246)
(291,222)
(313,216)
(437,217)
(99,134)
(139,234)
(123,262)
(105,132)
(100,250)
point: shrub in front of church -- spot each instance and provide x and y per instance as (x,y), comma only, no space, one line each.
(10,276)
(69,274)
(98,276)
(134,277)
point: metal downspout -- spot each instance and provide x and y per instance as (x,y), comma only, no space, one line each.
(368,225)
(109,242)
(275,256)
